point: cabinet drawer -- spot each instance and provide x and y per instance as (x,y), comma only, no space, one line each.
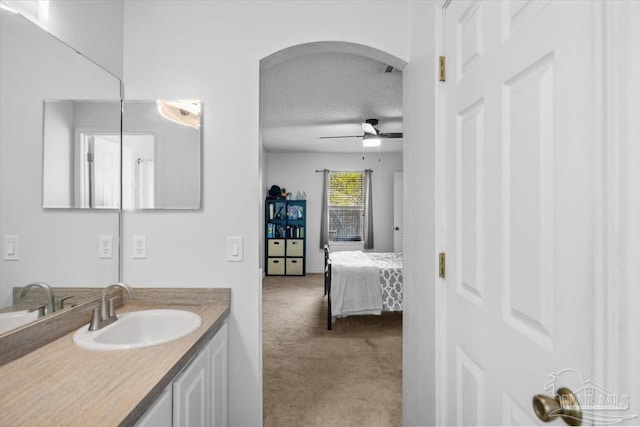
(275,266)
(275,247)
(295,247)
(294,266)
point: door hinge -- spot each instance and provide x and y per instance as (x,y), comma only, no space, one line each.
(443,68)
(442,265)
(89,157)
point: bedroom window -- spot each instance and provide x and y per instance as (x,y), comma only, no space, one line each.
(346,200)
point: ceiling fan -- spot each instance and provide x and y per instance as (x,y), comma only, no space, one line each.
(371,136)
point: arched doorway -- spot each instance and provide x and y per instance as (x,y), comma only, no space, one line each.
(309,91)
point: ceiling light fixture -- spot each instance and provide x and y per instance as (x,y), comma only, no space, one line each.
(184,112)
(370,141)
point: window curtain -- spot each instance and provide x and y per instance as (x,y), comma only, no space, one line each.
(368,211)
(324,214)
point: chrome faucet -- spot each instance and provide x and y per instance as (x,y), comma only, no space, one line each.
(102,316)
(40,310)
(51,306)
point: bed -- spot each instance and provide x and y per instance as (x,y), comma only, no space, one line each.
(360,283)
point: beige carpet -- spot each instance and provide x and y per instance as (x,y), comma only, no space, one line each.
(350,376)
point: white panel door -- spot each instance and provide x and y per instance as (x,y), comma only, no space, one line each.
(398,222)
(106,171)
(520,144)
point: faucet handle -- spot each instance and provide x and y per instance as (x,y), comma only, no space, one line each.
(95,320)
(62,300)
(112,307)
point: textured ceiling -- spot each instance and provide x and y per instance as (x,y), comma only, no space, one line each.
(328,94)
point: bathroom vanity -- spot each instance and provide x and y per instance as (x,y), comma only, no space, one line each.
(198,395)
(68,115)
(168,384)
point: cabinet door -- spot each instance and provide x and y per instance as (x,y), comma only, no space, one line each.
(218,376)
(160,414)
(191,394)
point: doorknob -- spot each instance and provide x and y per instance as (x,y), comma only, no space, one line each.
(396,228)
(565,404)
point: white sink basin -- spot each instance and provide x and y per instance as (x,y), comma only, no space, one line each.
(15,319)
(139,329)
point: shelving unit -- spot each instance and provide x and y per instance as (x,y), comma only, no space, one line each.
(285,237)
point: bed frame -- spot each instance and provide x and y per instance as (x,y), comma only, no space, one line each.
(327,283)
(327,286)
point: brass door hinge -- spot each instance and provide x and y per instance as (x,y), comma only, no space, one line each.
(442,265)
(443,68)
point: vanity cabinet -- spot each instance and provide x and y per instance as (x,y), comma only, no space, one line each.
(198,395)
(218,375)
(190,393)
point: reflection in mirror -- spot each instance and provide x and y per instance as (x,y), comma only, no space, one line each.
(161,154)
(32,304)
(59,247)
(81,154)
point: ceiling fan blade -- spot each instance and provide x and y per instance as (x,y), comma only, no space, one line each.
(369,129)
(344,136)
(391,135)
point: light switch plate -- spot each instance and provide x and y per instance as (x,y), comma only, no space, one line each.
(235,250)
(11,248)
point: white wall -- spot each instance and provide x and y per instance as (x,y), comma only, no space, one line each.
(211,51)
(418,382)
(297,172)
(94,27)
(631,226)
(58,170)
(59,247)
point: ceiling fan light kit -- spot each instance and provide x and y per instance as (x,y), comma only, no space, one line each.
(370,141)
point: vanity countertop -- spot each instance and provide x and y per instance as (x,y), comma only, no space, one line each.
(63,384)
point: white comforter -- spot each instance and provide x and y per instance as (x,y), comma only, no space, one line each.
(355,284)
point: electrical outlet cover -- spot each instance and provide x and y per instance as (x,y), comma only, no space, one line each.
(105,249)
(139,247)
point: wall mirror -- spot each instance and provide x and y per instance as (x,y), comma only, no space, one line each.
(161,154)
(81,151)
(59,247)
(153,163)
